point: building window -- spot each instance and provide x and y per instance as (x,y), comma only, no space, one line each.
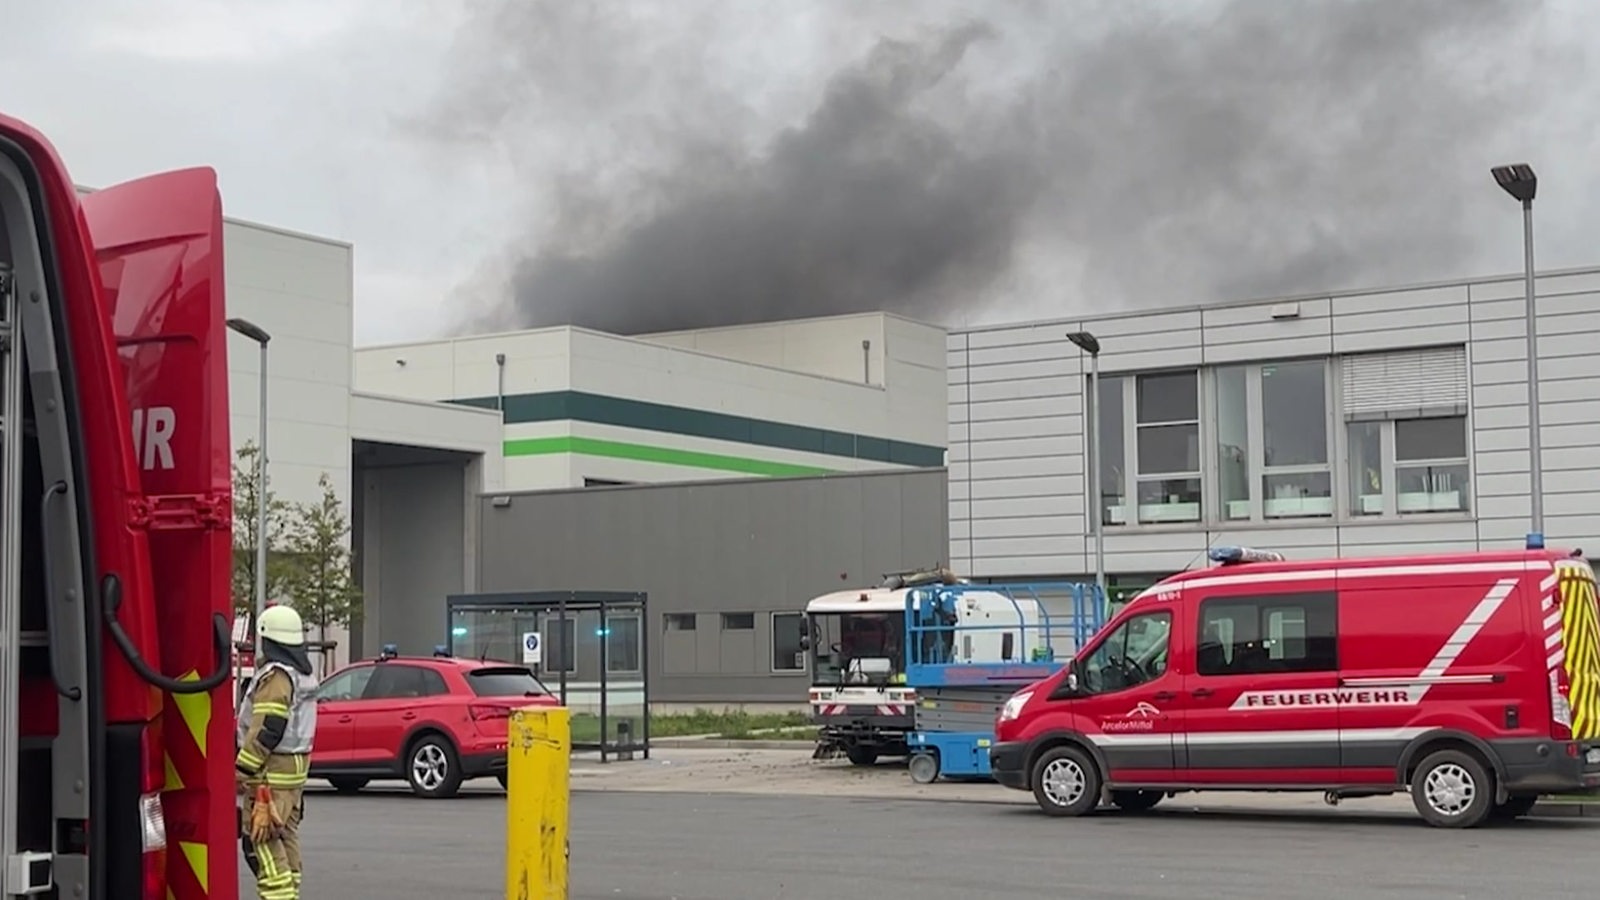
(738,621)
(1233,442)
(621,634)
(679,621)
(1365,448)
(565,659)
(1430,465)
(1296,481)
(1406,431)
(787,654)
(1109,419)
(1167,446)
(1272,634)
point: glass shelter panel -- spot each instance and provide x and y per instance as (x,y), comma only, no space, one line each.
(589,648)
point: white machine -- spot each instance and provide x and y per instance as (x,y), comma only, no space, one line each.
(857,642)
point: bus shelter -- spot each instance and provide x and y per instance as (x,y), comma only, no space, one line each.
(590,648)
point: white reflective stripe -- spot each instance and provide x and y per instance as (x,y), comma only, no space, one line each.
(1244,738)
(1468,630)
(1343,573)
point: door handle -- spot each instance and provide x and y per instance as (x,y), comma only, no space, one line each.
(1164,696)
(343,719)
(408,715)
(1201,693)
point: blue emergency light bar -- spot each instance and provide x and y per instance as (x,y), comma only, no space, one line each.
(1535,540)
(1229,556)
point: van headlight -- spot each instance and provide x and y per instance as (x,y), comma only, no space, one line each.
(1013,707)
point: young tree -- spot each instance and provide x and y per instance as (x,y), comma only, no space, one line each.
(246,502)
(323,580)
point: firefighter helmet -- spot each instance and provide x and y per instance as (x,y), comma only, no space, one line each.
(282,625)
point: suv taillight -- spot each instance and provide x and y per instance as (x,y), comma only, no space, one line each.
(482,713)
(152,817)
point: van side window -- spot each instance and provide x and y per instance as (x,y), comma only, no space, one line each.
(1130,656)
(1264,634)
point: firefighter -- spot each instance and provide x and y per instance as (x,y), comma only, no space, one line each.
(277,723)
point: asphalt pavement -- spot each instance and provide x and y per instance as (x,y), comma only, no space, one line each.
(670,846)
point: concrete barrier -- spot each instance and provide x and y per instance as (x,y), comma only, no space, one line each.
(538,803)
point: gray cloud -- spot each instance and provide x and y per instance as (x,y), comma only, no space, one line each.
(973,159)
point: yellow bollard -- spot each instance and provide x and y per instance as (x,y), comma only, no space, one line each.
(538,785)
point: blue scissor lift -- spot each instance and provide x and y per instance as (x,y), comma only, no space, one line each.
(969,647)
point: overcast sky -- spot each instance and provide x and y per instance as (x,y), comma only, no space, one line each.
(650,165)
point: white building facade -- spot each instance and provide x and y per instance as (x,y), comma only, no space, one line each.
(585,408)
(1371,422)
(388,460)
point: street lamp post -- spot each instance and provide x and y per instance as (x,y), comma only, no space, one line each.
(256,333)
(1521,183)
(1089,344)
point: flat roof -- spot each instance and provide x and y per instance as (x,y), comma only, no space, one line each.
(1259,301)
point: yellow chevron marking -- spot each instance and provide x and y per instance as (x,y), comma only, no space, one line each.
(196,854)
(195,710)
(174,780)
(1580,626)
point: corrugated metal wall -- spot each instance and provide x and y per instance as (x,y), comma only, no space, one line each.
(706,549)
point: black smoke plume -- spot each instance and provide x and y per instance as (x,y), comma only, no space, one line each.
(1063,156)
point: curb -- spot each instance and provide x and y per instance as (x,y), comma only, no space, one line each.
(1559,810)
(714,743)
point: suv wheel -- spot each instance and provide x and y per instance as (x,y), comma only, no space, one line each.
(1066,782)
(1452,789)
(432,768)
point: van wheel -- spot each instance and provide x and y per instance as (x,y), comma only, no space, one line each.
(1066,782)
(1136,801)
(1452,789)
(1515,807)
(432,768)
(347,784)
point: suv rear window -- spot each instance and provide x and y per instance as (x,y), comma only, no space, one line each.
(505,682)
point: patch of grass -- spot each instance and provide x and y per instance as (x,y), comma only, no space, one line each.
(734,724)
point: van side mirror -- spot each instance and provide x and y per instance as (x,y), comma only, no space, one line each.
(805,642)
(1072,682)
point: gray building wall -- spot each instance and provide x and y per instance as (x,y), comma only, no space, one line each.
(731,557)
(1018,438)
(410,531)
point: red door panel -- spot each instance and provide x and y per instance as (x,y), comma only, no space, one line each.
(1262,702)
(158,245)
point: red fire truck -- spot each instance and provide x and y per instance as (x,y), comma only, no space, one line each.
(116,722)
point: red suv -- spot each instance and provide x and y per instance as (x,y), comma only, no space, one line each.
(431,721)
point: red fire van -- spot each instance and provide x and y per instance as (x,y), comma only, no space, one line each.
(1471,680)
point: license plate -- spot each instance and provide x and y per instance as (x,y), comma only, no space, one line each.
(1592,757)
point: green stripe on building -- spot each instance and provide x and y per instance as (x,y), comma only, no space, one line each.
(577,406)
(645,453)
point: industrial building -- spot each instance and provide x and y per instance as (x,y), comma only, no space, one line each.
(730,474)
(299,289)
(581,407)
(1366,422)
